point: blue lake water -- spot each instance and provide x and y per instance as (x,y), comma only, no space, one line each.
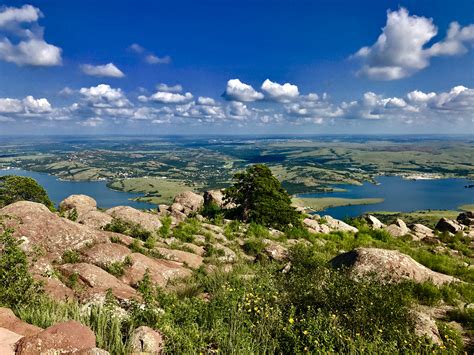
(398,194)
(402,195)
(58,190)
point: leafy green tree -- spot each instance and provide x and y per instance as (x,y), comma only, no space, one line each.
(16,283)
(19,188)
(260,198)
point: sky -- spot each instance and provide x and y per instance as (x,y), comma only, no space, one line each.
(236,67)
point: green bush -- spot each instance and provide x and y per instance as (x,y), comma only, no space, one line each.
(134,230)
(71,257)
(19,188)
(185,231)
(17,286)
(253,246)
(165,229)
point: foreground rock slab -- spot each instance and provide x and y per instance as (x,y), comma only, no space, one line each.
(8,340)
(61,338)
(39,227)
(390,264)
(97,281)
(9,321)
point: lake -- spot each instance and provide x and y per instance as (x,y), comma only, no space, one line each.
(402,195)
(58,190)
(398,194)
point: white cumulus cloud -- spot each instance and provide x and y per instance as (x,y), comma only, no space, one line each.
(31,49)
(104,96)
(106,70)
(239,91)
(169,88)
(171,98)
(279,92)
(400,50)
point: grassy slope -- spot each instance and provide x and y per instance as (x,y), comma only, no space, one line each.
(160,190)
(429,217)
(320,204)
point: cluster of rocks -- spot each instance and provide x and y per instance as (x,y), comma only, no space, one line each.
(464,224)
(48,235)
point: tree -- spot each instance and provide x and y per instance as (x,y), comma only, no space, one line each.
(19,188)
(260,198)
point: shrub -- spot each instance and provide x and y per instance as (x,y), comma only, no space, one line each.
(118,268)
(186,230)
(71,257)
(253,246)
(134,230)
(17,286)
(165,229)
(257,231)
(211,210)
(19,188)
(260,198)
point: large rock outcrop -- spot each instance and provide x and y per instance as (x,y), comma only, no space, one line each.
(149,221)
(390,264)
(190,201)
(86,211)
(40,228)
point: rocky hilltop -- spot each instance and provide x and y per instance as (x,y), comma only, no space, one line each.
(86,255)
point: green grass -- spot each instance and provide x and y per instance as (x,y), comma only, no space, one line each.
(466,208)
(159,190)
(319,204)
(428,218)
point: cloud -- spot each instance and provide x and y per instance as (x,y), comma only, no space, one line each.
(206,101)
(167,88)
(66,91)
(91,122)
(153,59)
(104,96)
(400,50)
(31,48)
(238,111)
(103,103)
(8,105)
(136,48)
(171,98)
(278,92)
(27,107)
(238,91)
(148,56)
(106,70)
(33,105)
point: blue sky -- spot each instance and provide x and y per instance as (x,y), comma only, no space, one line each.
(350,67)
